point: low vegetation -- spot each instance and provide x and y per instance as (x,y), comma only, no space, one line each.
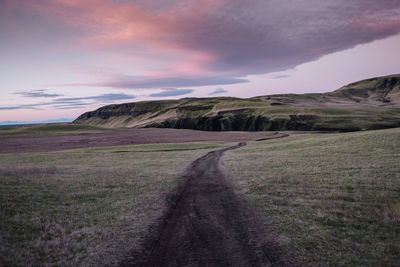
(49,130)
(334,199)
(364,105)
(85,206)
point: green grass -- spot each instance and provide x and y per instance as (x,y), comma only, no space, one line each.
(196,112)
(49,129)
(85,207)
(365,105)
(334,199)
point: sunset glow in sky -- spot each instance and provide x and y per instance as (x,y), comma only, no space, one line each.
(60,58)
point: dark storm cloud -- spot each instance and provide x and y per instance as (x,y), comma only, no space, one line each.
(172,92)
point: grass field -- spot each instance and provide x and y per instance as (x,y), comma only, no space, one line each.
(49,130)
(334,199)
(86,206)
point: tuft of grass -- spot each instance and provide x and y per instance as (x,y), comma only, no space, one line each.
(332,198)
(390,212)
(85,207)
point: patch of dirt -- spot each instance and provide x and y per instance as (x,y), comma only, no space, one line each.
(121,138)
(206,223)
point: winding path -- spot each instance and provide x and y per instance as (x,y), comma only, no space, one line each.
(208,224)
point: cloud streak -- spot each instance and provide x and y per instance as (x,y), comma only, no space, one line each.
(172,92)
(132,82)
(72,102)
(36,93)
(218,91)
(103,97)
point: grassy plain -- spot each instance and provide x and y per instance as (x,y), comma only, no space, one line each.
(87,206)
(334,199)
(49,130)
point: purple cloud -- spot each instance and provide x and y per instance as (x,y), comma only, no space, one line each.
(259,36)
(172,92)
(218,91)
(36,93)
(228,38)
(103,97)
(132,82)
(72,102)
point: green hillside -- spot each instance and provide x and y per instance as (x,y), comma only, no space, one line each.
(363,105)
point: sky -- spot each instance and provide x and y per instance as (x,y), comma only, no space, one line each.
(60,58)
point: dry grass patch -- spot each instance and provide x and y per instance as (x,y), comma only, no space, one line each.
(390,212)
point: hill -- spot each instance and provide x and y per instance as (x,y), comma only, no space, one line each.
(363,105)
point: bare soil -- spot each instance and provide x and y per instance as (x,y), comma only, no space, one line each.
(120,138)
(206,223)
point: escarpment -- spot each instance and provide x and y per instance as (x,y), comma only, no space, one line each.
(365,105)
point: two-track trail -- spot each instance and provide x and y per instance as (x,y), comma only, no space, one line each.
(207,223)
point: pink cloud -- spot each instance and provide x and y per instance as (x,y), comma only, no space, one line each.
(221,36)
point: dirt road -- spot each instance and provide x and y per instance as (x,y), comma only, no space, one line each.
(207,223)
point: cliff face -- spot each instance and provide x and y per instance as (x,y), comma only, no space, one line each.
(367,104)
(239,122)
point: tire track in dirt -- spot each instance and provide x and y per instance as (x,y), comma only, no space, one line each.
(207,224)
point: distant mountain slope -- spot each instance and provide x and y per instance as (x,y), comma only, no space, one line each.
(376,90)
(367,104)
